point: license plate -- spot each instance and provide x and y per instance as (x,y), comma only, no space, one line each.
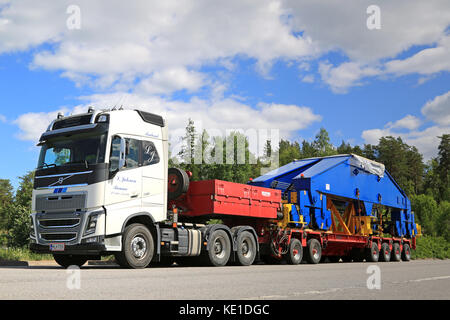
(57,246)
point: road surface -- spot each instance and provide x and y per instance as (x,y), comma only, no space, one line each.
(423,279)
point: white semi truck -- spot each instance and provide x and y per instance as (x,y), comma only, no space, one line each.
(101,188)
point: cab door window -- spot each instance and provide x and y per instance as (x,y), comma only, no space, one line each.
(132,154)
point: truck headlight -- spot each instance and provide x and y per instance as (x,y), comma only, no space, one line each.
(91,224)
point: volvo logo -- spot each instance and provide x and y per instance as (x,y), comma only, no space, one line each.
(61,180)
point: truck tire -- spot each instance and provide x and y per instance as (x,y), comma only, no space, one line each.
(246,248)
(137,247)
(295,253)
(313,251)
(396,254)
(372,253)
(219,249)
(178,183)
(406,253)
(67,260)
(385,254)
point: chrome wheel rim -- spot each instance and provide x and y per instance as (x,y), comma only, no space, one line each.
(138,246)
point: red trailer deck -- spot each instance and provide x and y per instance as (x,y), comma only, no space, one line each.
(217,197)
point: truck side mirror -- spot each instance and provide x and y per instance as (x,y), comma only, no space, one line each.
(118,155)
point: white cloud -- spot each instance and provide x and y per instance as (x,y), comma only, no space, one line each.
(426,140)
(342,27)
(2,118)
(216,116)
(438,109)
(170,80)
(408,122)
(119,41)
(32,125)
(425,62)
(346,75)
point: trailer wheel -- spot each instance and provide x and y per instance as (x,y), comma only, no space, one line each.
(246,248)
(219,248)
(137,247)
(406,253)
(373,254)
(295,253)
(385,254)
(313,251)
(67,260)
(396,254)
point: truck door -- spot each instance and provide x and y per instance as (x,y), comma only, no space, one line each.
(153,185)
(123,192)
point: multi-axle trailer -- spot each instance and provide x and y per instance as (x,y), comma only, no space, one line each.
(340,207)
(103,187)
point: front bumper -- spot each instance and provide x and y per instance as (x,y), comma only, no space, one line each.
(80,249)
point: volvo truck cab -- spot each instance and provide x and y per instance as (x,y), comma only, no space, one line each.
(101,175)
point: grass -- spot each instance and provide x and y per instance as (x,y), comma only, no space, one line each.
(22,254)
(431,247)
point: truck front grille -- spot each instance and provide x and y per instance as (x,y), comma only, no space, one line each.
(60,202)
(59,236)
(59,223)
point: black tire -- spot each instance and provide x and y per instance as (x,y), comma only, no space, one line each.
(313,251)
(385,253)
(295,253)
(67,260)
(246,249)
(178,183)
(373,253)
(406,253)
(219,249)
(396,254)
(137,247)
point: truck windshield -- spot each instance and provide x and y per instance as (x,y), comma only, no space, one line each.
(78,149)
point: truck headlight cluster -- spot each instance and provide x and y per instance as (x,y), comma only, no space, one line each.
(91,224)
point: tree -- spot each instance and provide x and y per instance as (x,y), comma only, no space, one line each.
(443,169)
(6,198)
(25,190)
(402,161)
(443,221)
(426,212)
(322,144)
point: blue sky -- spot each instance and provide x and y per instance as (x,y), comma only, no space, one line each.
(296,75)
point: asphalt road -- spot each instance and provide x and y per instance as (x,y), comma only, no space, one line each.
(425,279)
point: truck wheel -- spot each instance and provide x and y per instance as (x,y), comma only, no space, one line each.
(373,254)
(295,253)
(396,254)
(137,247)
(67,260)
(246,248)
(385,254)
(406,253)
(219,248)
(313,251)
